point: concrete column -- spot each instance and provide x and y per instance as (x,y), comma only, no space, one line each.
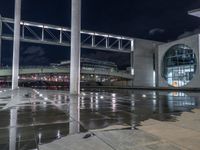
(132,57)
(13,129)
(132,62)
(74,112)
(75,48)
(15,98)
(0,40)
(16,45)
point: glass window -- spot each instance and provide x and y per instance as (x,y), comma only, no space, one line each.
(179,65)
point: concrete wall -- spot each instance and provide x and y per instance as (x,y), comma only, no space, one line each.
(192,42)
(143,62)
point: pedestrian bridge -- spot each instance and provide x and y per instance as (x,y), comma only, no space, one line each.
(54,70)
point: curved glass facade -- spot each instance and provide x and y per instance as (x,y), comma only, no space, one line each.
(179,65)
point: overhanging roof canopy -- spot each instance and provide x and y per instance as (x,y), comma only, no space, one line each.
(195,12)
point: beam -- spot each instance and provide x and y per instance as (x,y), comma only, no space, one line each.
(75,48)
(16,45)
(64,44)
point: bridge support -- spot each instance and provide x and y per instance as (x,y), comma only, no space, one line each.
(16,45)
(75,48)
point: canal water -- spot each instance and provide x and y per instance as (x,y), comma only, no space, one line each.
(31,117)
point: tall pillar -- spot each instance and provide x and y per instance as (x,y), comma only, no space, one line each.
(132,61)
(74,112)
(75,48)
(13,130)
(0,40)
(16,45)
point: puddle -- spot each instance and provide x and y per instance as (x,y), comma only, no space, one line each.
(39,122)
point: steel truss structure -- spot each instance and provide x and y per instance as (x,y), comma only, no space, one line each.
(40,33)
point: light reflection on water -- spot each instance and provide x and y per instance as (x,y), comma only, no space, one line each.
(50,115)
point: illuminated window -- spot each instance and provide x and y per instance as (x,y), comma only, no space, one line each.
(179,65)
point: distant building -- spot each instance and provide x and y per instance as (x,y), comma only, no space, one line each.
(94,67)
(91,65)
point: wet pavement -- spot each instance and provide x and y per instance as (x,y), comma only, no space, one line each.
(31,117)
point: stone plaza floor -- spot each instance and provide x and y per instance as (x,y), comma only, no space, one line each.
(99,120)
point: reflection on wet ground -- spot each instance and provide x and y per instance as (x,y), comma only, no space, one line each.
(31,117)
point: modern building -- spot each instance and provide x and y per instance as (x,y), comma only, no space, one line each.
(92,64)
(93,72)
(167,65)
(144,63)
(178,63)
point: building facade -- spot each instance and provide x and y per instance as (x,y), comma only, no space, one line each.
(92,64)
(144,63)
(178,63)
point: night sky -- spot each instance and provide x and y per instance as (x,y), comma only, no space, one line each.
(160,20)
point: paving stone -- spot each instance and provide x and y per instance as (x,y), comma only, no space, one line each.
(76,142)
(127,139)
